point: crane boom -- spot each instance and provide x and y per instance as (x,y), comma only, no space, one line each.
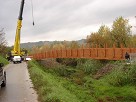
(16,49)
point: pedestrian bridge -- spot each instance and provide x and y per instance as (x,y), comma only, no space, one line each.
(105,53)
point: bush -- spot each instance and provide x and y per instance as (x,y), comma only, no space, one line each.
(131,74)
(91,66)
(123,75)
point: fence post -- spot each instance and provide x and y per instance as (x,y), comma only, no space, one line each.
(130,49)
(71,52)
(105,47)
(83,50)
(96,50)
(77,52)
(52,53)
(60,52)
(56,53)
(121,46)
(114,50)
(45,54)
(90,52)
(66,52)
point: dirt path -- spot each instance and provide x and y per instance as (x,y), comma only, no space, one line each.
(19,87)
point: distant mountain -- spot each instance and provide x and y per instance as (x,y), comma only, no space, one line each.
(41,43)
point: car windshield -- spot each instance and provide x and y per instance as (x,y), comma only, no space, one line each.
(16,56)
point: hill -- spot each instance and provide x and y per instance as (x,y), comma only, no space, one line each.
(41,43)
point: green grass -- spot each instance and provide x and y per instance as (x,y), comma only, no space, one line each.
(3,60)
(123,75)
(102,90)
(73,84)
(52,88)
(117,86)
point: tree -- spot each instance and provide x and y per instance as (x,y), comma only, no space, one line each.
(101,37)
(44,48)
(133,41)
(3,42)
(94,38)
(58,46)
(121,31)
(105,34)
(74,44)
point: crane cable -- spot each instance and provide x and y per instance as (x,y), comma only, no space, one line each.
(32,12)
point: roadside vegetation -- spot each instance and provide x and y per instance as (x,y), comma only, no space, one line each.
(53,88)
(3,60)
(85,81)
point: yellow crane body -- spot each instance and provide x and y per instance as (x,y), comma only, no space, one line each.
(16,48)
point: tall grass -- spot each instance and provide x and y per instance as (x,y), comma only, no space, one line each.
(123,75)
(90,66)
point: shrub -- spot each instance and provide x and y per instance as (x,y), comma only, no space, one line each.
(123,75)
(91,66)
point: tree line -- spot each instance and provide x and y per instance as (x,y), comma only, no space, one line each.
(119,33)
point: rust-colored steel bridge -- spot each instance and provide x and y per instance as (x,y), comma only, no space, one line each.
(113,53)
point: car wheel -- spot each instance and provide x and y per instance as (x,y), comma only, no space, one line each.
(4,80)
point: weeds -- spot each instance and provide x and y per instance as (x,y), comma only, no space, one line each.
(90,66)
(123,75)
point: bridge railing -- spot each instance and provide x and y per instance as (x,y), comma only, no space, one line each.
(113,53)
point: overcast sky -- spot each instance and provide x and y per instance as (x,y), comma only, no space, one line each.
(63,19)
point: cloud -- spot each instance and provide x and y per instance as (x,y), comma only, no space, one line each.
(62,19)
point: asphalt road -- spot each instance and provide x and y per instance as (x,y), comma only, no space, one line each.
(19,87)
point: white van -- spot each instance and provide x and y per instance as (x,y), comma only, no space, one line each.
(17,59)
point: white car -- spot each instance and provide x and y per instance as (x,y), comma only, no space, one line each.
(28,59)
(17,59)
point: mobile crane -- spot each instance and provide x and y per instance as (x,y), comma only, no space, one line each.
(16,51)
(16,48)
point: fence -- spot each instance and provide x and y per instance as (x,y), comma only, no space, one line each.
(113,53)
